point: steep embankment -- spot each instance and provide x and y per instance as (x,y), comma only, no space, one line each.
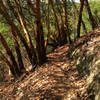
(86,53)
(72,73)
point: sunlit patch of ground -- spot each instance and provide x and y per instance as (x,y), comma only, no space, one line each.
(58,79)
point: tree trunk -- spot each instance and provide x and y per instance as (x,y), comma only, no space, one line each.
(77,13)
(18,52)
(58,34)
(11,67)
(80,18)
(66,21)
(40,43)
(48,25)
(5,14)
(91,18)
(25,29)
(15,70)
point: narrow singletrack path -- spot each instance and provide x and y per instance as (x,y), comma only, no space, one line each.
(57,79)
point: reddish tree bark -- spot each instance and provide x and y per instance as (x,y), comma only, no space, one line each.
(39,36)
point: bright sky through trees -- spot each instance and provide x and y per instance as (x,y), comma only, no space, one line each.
(77,0)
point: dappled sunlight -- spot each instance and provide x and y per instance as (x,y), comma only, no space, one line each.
(63,77)
(56,80)
(88,62)
(49,50)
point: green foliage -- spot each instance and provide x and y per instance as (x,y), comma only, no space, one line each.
(95,7)
(4,29)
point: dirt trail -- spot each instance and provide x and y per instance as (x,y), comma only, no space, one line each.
(58,79)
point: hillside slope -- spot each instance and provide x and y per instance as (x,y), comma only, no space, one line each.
(71,73)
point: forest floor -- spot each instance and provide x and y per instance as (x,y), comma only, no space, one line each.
(57,79)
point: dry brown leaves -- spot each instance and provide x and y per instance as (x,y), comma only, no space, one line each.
(58,79)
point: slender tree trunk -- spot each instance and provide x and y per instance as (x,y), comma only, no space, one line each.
(11,67)
(18,52)
(48,25)
(5,14)
(56,21)
(91,18)
(15,70)
(59,8)
(40,42)
(25,29)
(80,18)
(77,12)
(66,20)
(63,29)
